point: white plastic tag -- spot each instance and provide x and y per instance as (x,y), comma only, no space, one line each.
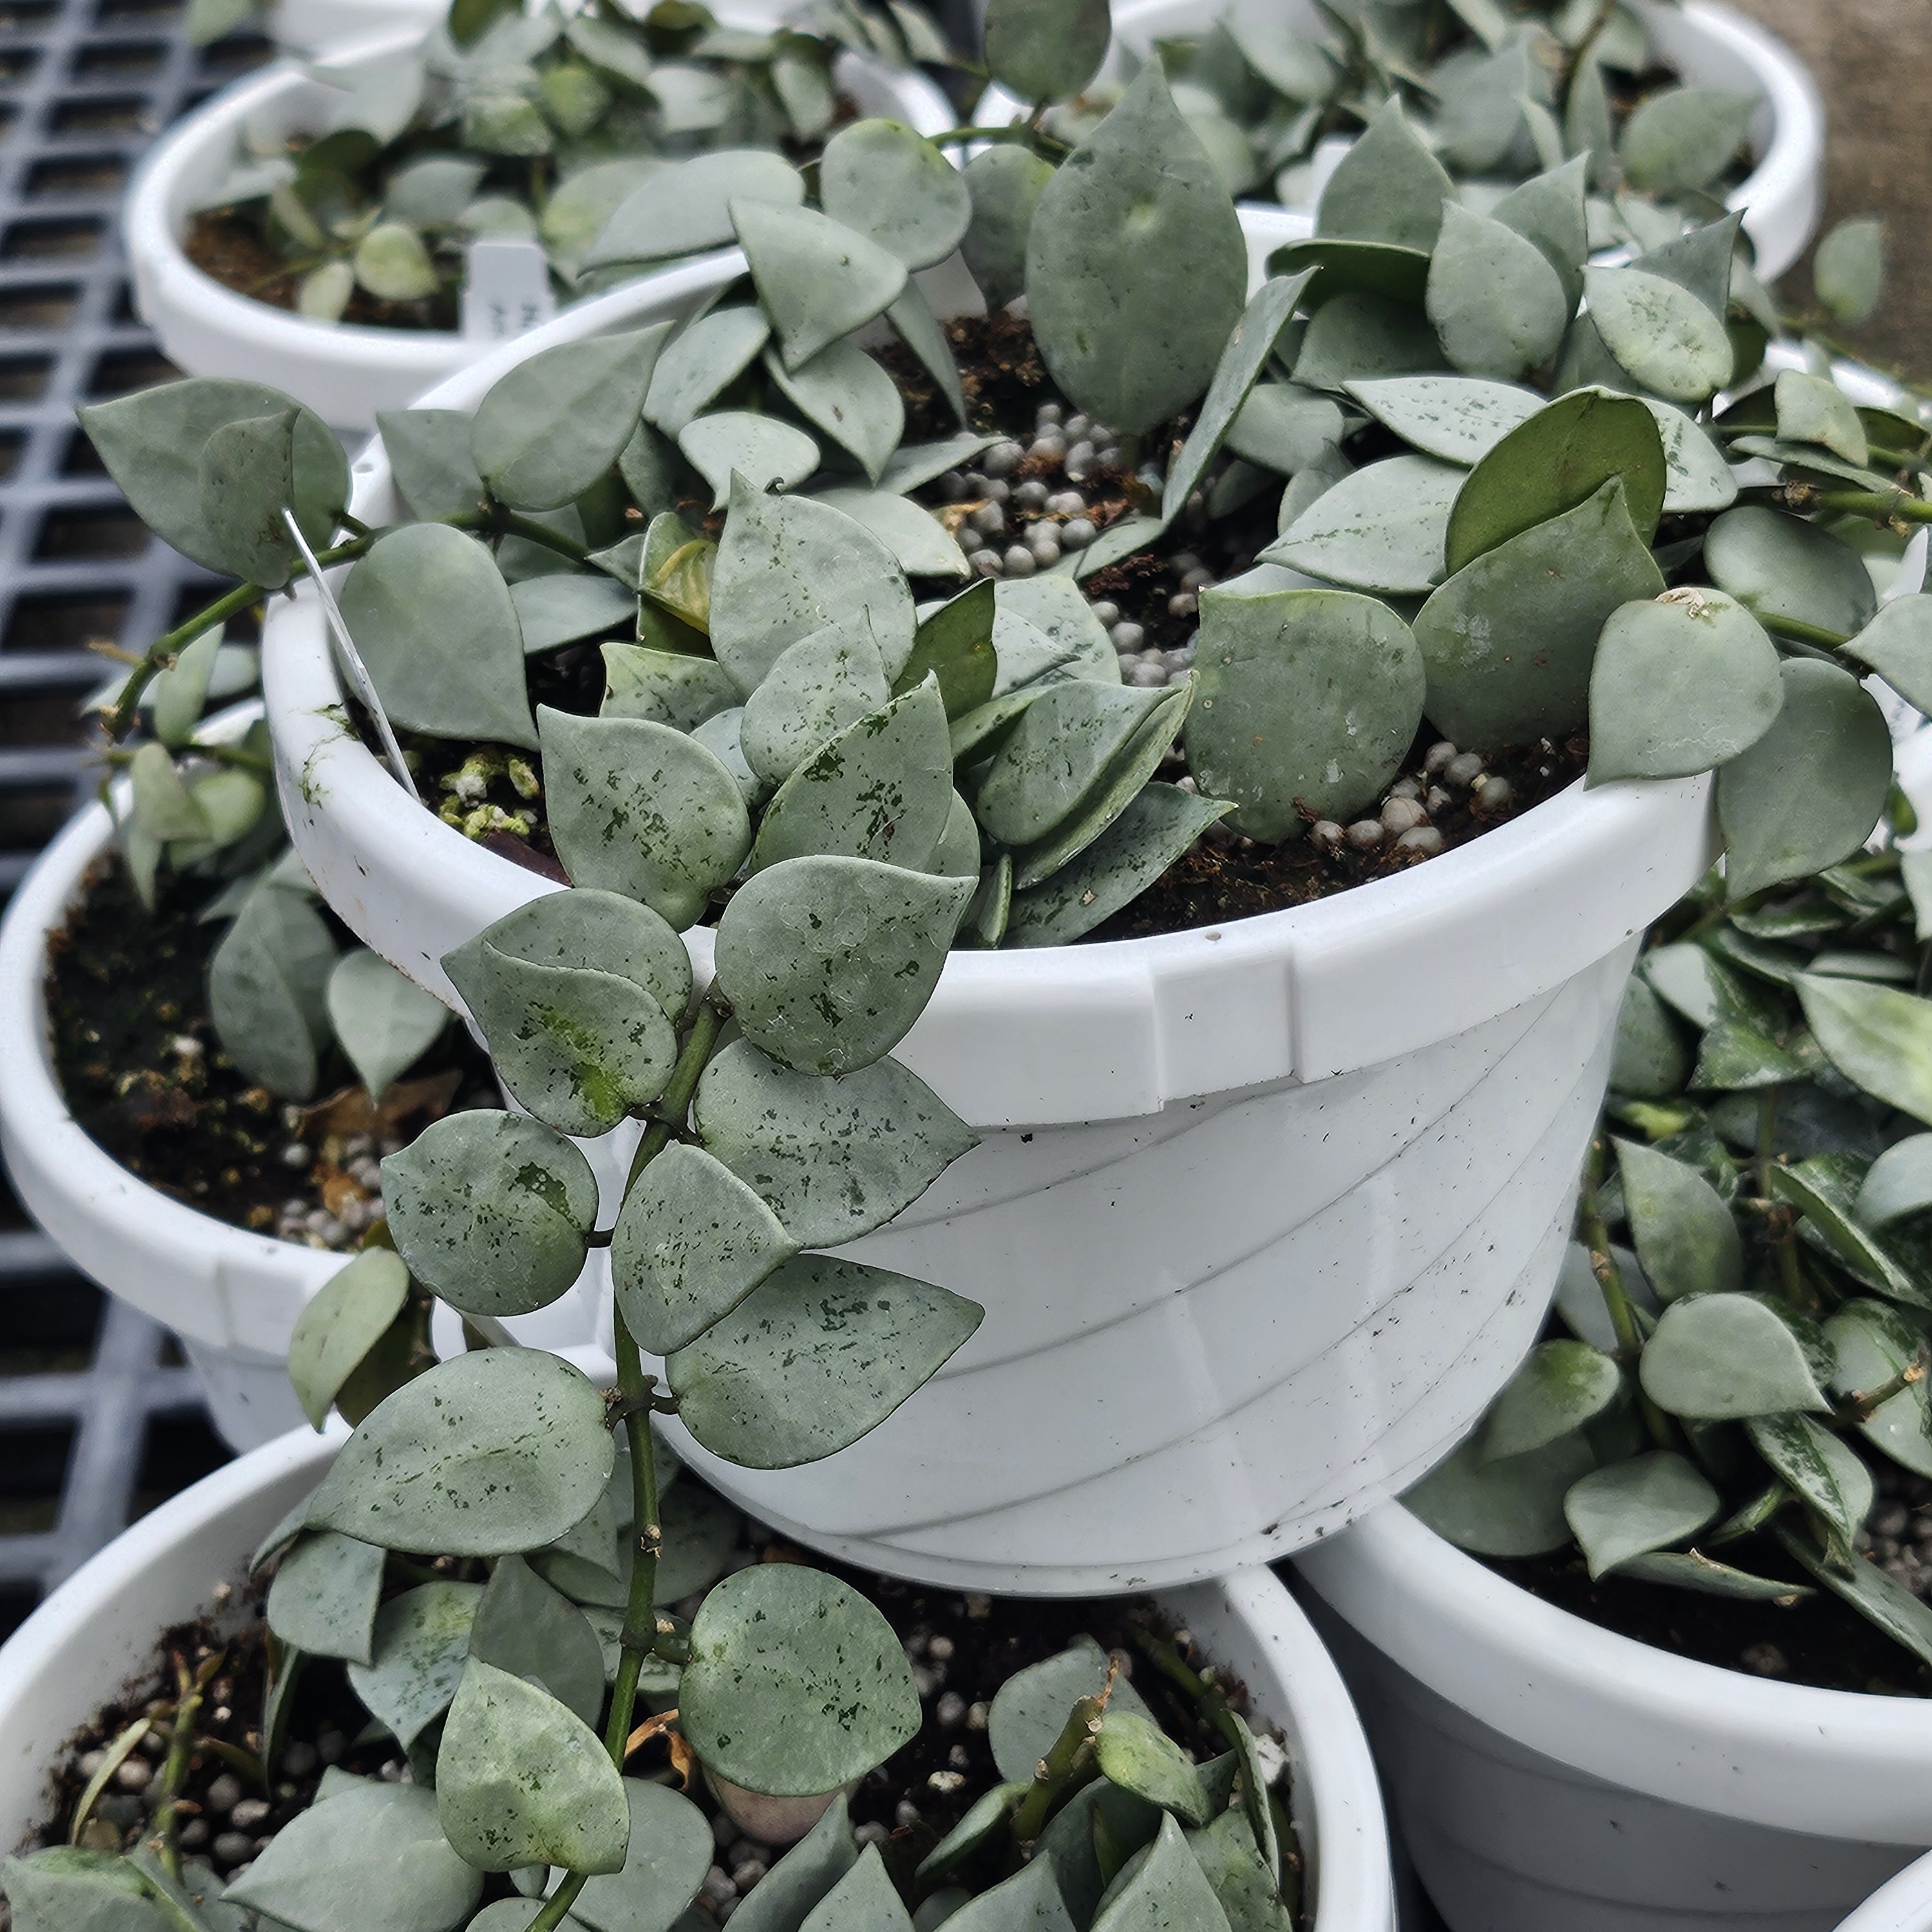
(508,290)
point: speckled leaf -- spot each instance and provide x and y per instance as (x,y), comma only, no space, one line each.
(818,279)
(1682,138)
(1031,1708)
(881,789)
(1684,1232)
(1135,1753)
(864,1900)
(1782,566)
(247,477)
(1682,682)
(1697,477)
(835,1158)
(1510,641)
(1633,1507)
(706,357)
(1871,1344)
(1511,1507)
(1898,1183)
(1045,49)
(1381,529)
(561,608)
(372,1858)
(639,809)
(670,688)
(787,567)
(1459,418)
(346,1317)
(552,425)
(1388,188)
(1498,306)
(1808,793)
(1006,183)
(797,1684)
(383,1020)
(1060,749)
(827,961)
(1358,336)
(323,1599)
(1242,361)
(433,620)
(771,455)
(688,207)
(1563,1385)
(1308,695)
(894,188)
(1868,1589)
(267,987)
(481,1456)
(919,543)
(1284,427)
(534,1632)
(1824,1470)
(819,686)
(847,394)
(1723,1357)
(816,1357)
(671,1851)
(1168,1892)
(1028,1901)
(490,1210)
(152,441)
(691,1241)
(1550,210)
(954,643)
(1878,1036)
(1561,457)
(1660,332)
(582,928)
(421,1643)
(1108,327)
(522,1780)
(1158,826)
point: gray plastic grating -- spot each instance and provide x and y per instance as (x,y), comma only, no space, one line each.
(98,1419)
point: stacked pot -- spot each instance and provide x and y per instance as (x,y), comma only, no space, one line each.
(1262,1217)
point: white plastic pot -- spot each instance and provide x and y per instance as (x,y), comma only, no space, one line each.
(1905,1905)
(231,1296)
(100,1628)
(328,26)
(1263,1214)
(345,372)
(1782,198)
(1545,1773)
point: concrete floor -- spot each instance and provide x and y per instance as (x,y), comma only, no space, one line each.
(1873,59)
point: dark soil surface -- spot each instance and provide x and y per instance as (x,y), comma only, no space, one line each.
(1817,1639)
(228,248)
(138,1060)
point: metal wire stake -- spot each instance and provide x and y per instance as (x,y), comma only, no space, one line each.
(350,660)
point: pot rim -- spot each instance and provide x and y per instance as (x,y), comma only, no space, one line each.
(1901,1904)
(138,1242)
(1334,1782)
(1124,1027)
(1837,1763)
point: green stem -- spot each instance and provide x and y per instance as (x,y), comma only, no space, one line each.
(1881,506)
(1060,1772)
(507,523)
(1794,630)
(1018,131)
(181,1749)
(1862,1407)
(674,1103)
(1609,1280)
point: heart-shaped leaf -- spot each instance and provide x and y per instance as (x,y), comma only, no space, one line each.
(1848,268)
(373,1856)
(1876,1035)
(526,1628)
(1684,1232)
(267,987)
(1872,1344)
(671,1851)
(1045,49)
(670,688)
(919,543)
(795,1684)
(1823,1469)
(1682,682)
(894,187)
(844,393)
(679,210)
(1680,139)
(954,644)
(385,1022)
(787,567)
(864,1900)
(1563,1385)
(323,1599)
(1006,183)
(247,477)
(348,1315)
(1716,1357)
(1308,697)
(1169,1888)
(1459,418)
(1107,327)
(1660,332)
(1060,748)
(553,425)
(522,1780)
(1511,1506)
(773,455)
(816,1357)
(1558,459)
(1634,1506)
(1497,304)
(490,1211)
(819,686)
(1808,792)
(1031,1708)
(1388,187)
(1550,210)
(639,809)
(691,1241)
(601,932)
(835,1158)
(1382,528)
(561,608)
(1781,566)
(1510,642)
(816,279)
(433,620)
(421,1643)
(1136,1754)
(705,358)
(1898,644)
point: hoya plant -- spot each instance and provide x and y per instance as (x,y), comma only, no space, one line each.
(1736,1394)
(1499,91)
(515,122)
